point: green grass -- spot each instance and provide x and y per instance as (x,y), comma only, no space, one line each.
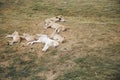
(91,50)
(92,67)
(78,8)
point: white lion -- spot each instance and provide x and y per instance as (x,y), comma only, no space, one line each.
(59,18)
(57,37)
(47,41)
(15,36)
(57,27)
(28,37)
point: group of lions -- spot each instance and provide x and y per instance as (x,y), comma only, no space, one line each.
(49,40)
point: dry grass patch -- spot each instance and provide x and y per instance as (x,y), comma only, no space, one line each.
(90,52)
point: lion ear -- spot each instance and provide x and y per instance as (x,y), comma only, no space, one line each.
(15,32)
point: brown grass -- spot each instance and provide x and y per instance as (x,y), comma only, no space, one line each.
(90,52)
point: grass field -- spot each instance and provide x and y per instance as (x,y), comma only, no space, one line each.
(91,50)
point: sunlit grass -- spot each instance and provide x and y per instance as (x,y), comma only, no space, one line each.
(91,50)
